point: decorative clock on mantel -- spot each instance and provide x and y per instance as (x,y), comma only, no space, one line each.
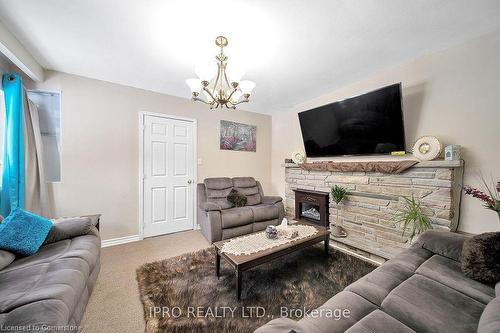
(427,148)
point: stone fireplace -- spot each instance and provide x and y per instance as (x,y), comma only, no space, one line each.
(372,200)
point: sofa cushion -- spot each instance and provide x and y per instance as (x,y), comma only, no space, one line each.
(237,231)
(490,318)
(281,325)
(234,217)
(6,258)
(357,306)
(259,226)
(449,273)
(375,286)
(248,187)
(445,243)
(480,255)
(67,228)
(49,283)
(425,305)
(217,190)
(264,212)
(378,321)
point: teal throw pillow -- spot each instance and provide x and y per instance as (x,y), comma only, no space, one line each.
(23,232)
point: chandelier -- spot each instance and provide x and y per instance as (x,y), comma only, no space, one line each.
(225,88)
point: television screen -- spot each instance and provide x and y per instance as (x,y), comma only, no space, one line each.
(367,124)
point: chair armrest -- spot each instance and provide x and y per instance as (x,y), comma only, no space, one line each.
(269,199)
(70,227)
(445,243)
(209,206)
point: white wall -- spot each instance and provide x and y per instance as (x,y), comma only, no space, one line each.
(452,94)
(100,147)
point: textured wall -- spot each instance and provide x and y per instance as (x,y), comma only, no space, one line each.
(373,199)
(100,147)
(452,94)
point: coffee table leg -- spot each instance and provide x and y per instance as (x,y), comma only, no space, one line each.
(238,283)
(217,263)
(327,244)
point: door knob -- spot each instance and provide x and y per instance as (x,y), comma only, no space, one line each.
(190,181)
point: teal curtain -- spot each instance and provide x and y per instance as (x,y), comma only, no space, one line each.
(12,195)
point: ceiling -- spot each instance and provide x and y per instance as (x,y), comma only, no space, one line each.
(293,49)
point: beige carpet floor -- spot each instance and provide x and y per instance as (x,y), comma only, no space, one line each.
(115,305)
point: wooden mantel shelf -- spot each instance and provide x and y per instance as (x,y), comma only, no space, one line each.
(422,164)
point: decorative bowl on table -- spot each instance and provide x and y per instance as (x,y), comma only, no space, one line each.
(271,232)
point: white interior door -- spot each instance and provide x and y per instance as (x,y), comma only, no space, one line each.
(168,185)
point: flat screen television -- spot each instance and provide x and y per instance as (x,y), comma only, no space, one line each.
(371,123)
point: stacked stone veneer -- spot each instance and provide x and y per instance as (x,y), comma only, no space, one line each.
(373,199)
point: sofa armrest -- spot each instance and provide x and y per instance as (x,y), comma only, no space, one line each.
(209,206)
(445,243)
(70,227)
(268,199)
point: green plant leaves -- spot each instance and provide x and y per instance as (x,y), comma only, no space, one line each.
(338,193)
(411,219)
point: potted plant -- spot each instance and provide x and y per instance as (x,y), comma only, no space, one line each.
(489,196)
(411,218)
(338,194)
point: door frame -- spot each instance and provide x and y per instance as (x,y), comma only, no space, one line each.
(142,115)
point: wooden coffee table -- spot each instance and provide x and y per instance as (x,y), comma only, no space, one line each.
(244,262)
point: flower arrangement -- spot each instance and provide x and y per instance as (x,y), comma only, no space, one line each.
(490,196)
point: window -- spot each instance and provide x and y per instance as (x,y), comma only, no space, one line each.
(49,113)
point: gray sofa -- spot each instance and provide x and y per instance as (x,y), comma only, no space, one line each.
(421,290)
(48,291)
(219,220)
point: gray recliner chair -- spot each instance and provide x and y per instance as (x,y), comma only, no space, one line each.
(219,220)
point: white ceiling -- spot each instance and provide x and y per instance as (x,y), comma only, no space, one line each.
(293,49)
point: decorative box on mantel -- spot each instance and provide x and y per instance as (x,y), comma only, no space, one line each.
(374,197)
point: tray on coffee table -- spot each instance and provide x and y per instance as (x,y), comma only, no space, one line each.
(244,262)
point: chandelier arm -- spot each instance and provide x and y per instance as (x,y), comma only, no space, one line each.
(217,78)
(242,101)
(211,95)
(227,81)
(231,95)
(201,100)
(233,106)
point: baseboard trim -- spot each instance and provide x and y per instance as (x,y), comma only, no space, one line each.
(120,240)
(354,254)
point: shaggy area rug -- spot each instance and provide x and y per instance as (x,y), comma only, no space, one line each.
(182,294)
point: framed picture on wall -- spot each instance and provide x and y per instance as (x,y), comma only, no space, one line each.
(236,136)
